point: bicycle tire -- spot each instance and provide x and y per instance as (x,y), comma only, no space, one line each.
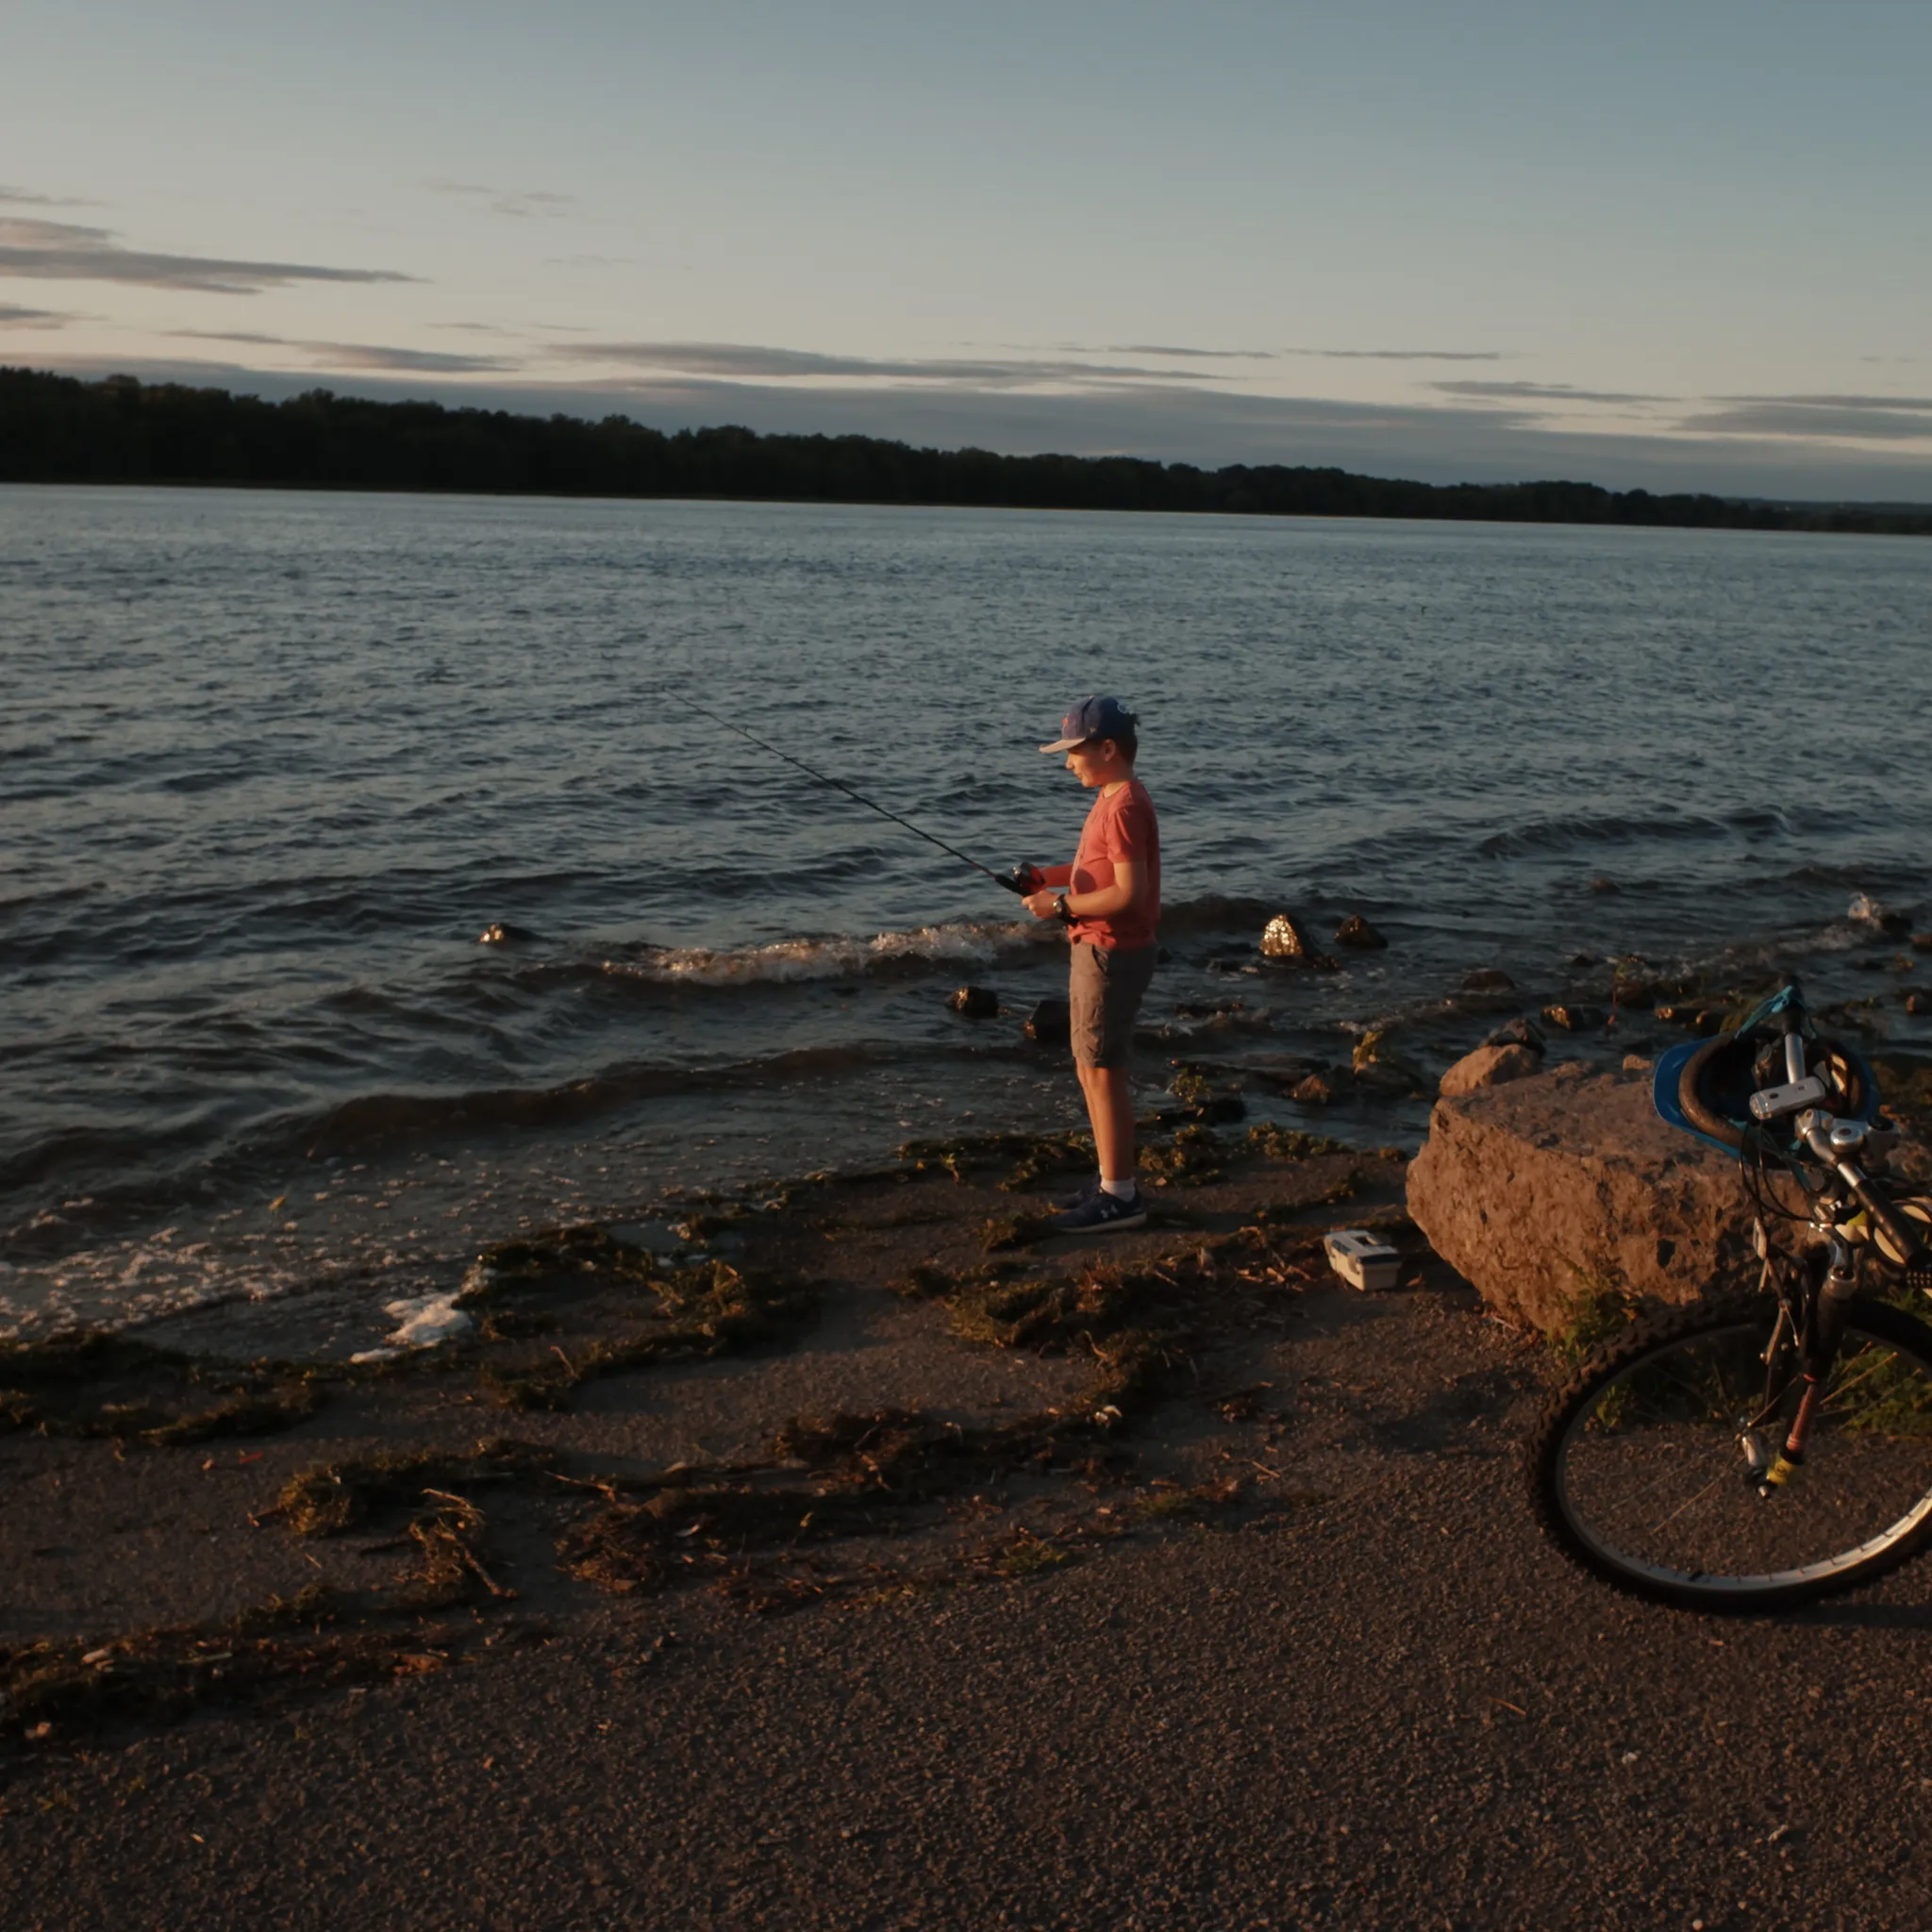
(1864,1491)
(1707,1119)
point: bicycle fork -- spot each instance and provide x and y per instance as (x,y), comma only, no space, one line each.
(1825,1325)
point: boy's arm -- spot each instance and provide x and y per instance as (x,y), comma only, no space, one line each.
(1055,874)
(1129,885)
(1130,879)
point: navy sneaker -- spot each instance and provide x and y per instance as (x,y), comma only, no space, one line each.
(1079,1197)
(1104,1213)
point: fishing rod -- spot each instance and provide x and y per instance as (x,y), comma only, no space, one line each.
(1015,882)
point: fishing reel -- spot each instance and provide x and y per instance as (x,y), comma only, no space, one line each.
(1028,879)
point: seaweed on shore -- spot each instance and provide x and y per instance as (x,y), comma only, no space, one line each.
(833,1478)
(1192,1158)
(1029,1157)
(1904,1082)
(1040,1312)
(706,1309)
(1291,1144)
(1013,1231)
(313,1641)
(332,1497)
(95,1383)
(451,1571)
(585,1248)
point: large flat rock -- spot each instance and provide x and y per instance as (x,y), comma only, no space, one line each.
(1555,1190)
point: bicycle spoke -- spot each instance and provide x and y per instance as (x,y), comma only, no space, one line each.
(1654,1481)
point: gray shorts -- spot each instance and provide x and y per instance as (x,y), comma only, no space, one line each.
(1104,987)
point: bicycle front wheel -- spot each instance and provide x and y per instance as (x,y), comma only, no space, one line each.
(1648,1468)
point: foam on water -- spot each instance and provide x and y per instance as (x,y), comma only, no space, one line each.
(790,961)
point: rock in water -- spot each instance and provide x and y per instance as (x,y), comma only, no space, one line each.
(1489,1066)
(1918,1003)
(1922,943)
(1710,1019)
(1865,910)
(1318,1090)
(1050,1023)
(1559,1188)
(1285,937)
(1355,931)
(1576,1019)
(1487,979)
(1517,1032)
(501,932)
(1381,1069)
(975,1003)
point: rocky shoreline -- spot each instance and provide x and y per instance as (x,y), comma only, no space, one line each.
(1544,1191)
(861,1406)
(703,1392)
(676,1479)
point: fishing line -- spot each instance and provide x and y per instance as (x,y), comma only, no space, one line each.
(1011,881)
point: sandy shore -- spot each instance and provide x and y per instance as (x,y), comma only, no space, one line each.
(871,1561)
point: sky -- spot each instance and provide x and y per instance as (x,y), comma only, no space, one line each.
(1683,245)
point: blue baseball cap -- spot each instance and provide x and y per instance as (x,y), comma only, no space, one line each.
(1092,718)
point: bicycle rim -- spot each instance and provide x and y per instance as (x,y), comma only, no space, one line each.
(1651,1466)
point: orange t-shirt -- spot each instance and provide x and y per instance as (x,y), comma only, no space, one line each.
(1120,825)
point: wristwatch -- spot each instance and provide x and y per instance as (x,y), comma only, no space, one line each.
(1064,917)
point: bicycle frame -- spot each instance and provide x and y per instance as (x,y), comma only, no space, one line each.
(1814,1295)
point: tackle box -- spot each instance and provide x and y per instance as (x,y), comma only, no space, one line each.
(1360,1259)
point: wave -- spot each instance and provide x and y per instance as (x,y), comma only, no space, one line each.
(842,955)
(371,1120)
(1564,834)
(130,1175)
(835,957)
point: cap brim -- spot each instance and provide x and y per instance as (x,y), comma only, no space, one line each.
(1063,744)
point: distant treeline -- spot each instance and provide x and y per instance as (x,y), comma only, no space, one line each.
(59,429)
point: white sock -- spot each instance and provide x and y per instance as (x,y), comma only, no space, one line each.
(1121,1190)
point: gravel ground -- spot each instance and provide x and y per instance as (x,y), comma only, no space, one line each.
(1366,1696)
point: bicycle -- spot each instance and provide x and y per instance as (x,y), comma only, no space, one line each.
(1758,1451)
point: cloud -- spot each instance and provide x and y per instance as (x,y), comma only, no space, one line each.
(1542,391)
(26,197)
(63,251)
(369,356)
(1167,349)
(360,355)
(522,203)
(12,317)
(743,362)
(1838,402)
(1401,355)
(1830,418)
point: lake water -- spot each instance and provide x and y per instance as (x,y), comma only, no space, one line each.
(271,762)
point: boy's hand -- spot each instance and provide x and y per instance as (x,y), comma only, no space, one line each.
(1043,905)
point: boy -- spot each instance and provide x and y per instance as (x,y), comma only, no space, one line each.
(1109,899)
